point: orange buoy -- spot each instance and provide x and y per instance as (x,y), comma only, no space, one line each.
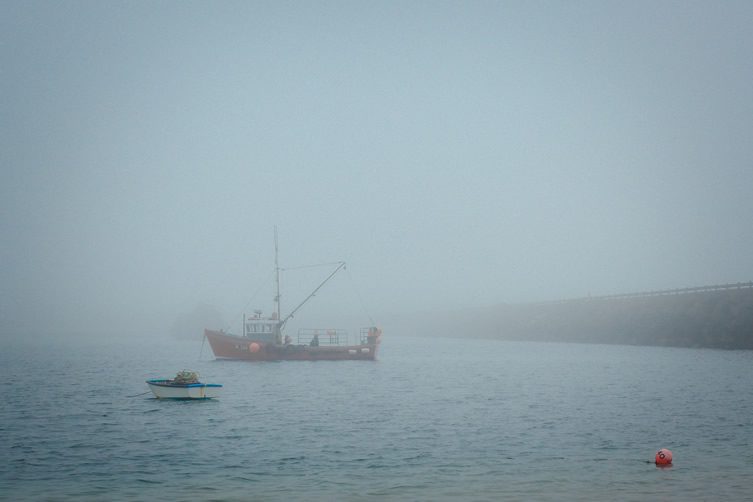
(253,347)
(663,457)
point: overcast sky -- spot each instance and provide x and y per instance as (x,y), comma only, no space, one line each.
(454,153)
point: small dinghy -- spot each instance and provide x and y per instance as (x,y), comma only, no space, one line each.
(185,385)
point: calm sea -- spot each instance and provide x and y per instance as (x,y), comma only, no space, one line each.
(433,419)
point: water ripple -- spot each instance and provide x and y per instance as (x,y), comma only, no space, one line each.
(495,420)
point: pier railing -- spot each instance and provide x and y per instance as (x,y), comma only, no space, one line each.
(662,292)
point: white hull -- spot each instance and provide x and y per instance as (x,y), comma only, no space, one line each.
(162,390)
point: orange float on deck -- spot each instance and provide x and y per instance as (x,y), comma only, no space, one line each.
(253,347)
(663,457)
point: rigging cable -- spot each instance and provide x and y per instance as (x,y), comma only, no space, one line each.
(360,298)
(330,264)
(251,299)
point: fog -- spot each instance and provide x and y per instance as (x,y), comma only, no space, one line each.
(454,154)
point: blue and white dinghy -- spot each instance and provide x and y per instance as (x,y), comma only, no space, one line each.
(185,385)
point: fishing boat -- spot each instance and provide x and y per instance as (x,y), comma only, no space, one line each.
(185,385)
(263,337)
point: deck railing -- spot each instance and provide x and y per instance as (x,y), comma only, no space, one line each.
(326,336)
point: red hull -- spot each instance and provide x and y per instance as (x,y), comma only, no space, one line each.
(226,346)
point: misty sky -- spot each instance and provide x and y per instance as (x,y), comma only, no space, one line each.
(454,153)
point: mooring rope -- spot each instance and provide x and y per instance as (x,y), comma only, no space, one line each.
(201,351)
(137,395)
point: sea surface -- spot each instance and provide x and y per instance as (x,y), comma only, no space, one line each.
(432,419)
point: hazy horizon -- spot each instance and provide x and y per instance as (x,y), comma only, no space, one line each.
(454,154)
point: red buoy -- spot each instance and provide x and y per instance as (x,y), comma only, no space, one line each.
(663,457)
(253,347)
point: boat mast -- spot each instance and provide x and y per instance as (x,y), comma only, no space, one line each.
(277,278)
